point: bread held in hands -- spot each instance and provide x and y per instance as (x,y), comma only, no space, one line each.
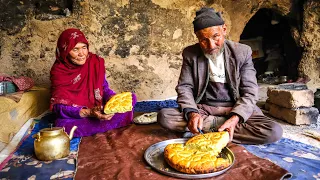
(119,103)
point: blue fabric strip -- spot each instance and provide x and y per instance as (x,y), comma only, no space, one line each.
(300,159)
(154,106)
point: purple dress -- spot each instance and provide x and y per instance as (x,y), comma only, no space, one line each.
(69,116)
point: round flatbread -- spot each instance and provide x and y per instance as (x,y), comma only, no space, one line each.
(199,154)
(119,103)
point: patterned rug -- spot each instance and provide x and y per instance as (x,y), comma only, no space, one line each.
(22,163)
(302,160)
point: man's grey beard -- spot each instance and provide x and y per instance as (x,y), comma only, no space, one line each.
(215,55)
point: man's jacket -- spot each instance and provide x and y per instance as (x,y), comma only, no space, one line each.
(240,76)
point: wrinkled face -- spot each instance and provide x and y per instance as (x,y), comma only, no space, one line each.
(211,39)
(78,55)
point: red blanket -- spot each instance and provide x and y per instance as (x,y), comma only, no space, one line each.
(118,154)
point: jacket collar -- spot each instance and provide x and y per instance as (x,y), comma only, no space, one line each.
(229,62)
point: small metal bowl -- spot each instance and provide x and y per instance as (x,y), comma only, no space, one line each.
(283,79)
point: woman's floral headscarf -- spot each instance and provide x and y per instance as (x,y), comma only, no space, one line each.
(77,85)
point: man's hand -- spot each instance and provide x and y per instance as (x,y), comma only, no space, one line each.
(230,125)
(195,121)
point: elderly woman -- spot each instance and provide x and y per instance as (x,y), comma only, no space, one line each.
(79,88)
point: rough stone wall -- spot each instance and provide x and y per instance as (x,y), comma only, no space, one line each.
(310,40)
(141,40)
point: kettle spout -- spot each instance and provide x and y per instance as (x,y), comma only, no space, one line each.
(72,131)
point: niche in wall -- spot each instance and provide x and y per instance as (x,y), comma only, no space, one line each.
(52,9)
(14,13)
(274,49)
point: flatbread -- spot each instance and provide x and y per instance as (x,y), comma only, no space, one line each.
(199,155)
(119,103)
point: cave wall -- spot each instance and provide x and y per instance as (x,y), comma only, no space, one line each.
(140,40)
(310,40)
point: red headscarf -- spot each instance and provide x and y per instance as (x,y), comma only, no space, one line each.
(77,85)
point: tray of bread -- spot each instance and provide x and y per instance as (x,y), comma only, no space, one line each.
(201,156)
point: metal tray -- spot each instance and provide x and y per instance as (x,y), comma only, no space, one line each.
(151,115)
(155,158)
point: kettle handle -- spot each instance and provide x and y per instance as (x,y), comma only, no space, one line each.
(37,136)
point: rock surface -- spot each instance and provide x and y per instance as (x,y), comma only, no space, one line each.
(291,98)
(297,116)
(141,41)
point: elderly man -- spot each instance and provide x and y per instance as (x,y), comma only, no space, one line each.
(217,88)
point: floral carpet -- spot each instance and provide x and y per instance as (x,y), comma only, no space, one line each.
(22,164)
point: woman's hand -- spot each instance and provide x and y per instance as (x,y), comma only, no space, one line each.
(95,112)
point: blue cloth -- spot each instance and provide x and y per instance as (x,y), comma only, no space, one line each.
(302,160)
(24,164)
(154,106)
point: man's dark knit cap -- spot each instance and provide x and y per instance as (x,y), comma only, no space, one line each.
(207,17)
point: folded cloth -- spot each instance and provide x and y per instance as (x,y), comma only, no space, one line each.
(18,95)
(118,154)
(23,83)
(15,96)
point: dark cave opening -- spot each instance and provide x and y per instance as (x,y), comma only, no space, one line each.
(274,51)
(53,7)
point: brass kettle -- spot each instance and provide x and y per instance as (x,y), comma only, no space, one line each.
(52,143)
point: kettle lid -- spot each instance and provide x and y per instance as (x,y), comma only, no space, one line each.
(51,131)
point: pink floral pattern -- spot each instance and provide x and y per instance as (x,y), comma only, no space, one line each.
(23,83)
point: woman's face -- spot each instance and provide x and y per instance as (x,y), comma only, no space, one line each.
(78,55)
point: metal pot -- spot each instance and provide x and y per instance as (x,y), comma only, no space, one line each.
(283,79)
(52,143)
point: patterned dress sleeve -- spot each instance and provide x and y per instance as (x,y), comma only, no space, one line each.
(67,112)
(107,92)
